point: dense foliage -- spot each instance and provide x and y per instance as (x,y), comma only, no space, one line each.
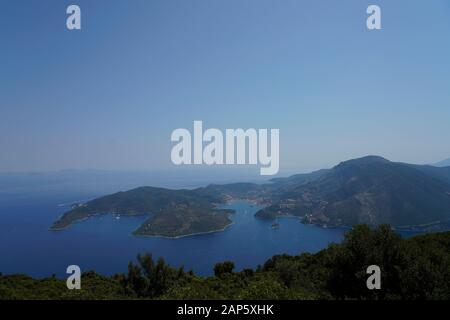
(415,268)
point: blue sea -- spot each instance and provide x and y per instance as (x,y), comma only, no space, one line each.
(105,243)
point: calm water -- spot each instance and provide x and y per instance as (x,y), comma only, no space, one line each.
(106,245)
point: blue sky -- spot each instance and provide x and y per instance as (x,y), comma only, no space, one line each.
(109,96)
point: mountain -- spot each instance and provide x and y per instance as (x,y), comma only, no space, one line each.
(443,163)
(298,179)
(440,173)
(369,190)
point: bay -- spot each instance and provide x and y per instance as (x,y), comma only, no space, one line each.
(106,244)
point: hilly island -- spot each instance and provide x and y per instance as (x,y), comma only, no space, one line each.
(369,190)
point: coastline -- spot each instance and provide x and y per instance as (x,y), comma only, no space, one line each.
(92,216)
(181,236)
(435,226)
(69,225)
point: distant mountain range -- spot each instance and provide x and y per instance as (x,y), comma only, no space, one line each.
(443,163)
(370,190)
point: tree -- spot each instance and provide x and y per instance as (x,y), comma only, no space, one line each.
(361,248)
(150,279)
(223,268)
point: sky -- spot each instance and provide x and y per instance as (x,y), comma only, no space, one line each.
(109,96)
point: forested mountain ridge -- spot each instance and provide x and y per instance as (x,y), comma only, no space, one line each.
(370,190)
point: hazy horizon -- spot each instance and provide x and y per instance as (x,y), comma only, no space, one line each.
(218,170)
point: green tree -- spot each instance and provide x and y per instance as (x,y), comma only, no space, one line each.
(223,268)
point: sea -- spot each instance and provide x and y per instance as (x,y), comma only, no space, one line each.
(30,203)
